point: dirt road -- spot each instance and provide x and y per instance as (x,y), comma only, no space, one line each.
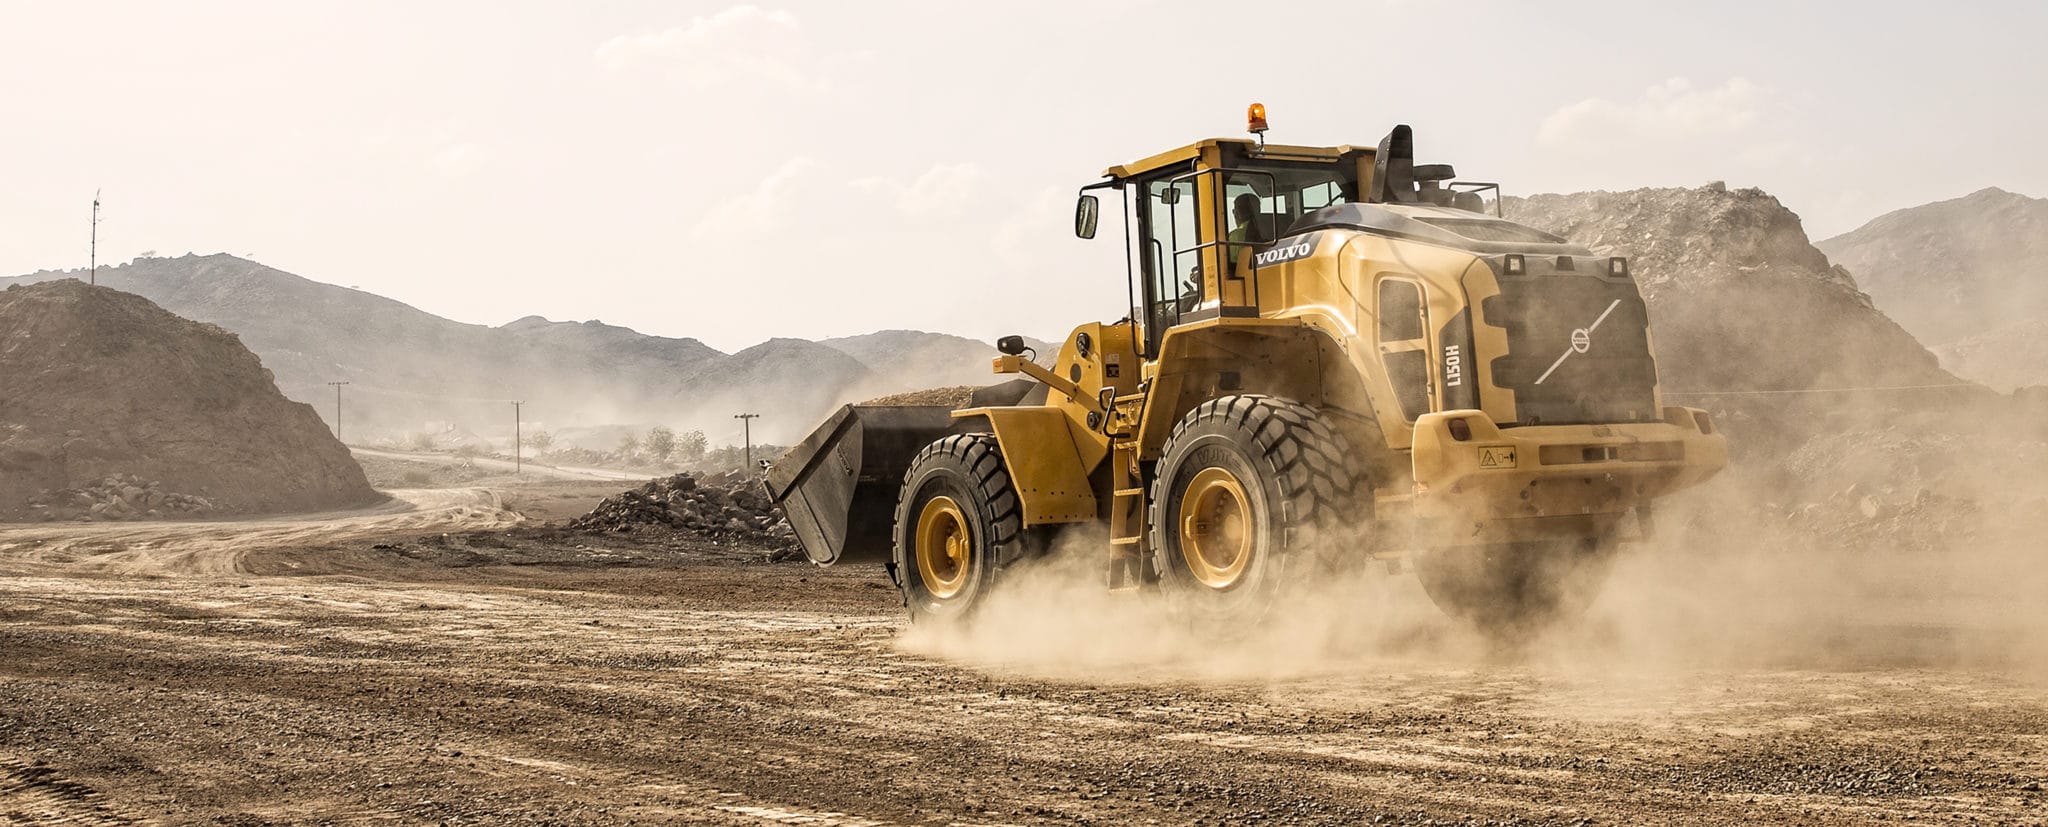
(321,672)
(218,548)
(506,466)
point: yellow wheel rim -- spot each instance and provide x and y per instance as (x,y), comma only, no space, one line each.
(1215,528)
(943,547)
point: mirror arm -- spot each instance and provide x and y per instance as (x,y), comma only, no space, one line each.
(1088,208)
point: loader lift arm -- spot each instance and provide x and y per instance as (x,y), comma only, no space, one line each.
(1019,364)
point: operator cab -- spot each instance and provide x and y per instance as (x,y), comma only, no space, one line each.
(1203,214)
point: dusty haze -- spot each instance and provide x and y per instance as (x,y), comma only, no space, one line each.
(658,165)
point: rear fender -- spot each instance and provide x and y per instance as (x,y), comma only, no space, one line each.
(1288,358)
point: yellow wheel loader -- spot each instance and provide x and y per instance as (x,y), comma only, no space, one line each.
(1335,356)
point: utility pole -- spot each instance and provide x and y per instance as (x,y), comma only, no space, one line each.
(93,275)
(518,463)
(747,427)
(337,408)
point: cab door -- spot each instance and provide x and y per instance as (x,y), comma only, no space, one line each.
(1171,251)
(1403,338)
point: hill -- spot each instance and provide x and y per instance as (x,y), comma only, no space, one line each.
(412,372)
(407,367)
(1958,269)
(103,383)
(792,383)
(927,360)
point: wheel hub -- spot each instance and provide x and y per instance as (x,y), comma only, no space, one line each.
(944,547)
(1215,528)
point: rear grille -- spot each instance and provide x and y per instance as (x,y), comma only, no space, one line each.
(1625,452)
(1578,348)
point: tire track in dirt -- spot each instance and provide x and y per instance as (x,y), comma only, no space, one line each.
(219,548)
(33,794)
(692,687)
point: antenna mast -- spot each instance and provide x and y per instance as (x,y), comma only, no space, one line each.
(93,275)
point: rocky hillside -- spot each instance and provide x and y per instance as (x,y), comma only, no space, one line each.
(2005,358)
(102,384)
(1962,269)
(792,383)
(408,368)
(1740,299)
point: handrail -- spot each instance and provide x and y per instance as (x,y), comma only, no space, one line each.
(1251,279)
(1479,187)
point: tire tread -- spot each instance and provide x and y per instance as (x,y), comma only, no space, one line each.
(980,456)
(1311,465)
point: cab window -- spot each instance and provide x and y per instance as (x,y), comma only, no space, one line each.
(1260,205)
(1171,262)
(1403,325)
(1318,196)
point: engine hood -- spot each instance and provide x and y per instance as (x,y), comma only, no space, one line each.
(1444,227)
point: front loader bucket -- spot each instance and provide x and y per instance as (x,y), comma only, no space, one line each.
(838,487)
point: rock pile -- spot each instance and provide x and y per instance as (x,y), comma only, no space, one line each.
(1741,300)
(1925,482)
(956,396)
(98,382)
(728,507)
(1911,520)
(118,497)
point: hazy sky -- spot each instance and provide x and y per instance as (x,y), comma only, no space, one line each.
(736,172)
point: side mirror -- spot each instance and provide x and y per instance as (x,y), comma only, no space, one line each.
(1086,214)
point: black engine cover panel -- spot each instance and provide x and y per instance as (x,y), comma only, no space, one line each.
(1578,348)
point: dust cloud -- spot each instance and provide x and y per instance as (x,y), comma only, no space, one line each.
(1891,541)
(1055,617)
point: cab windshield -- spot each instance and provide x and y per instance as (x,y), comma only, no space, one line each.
(1266,199)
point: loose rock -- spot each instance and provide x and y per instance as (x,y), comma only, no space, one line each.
(726,507)
(119,497)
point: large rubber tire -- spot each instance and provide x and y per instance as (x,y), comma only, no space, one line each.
(956,495)
(1250,496)
(1514,590)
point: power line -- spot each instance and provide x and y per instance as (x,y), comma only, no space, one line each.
(1824,390)
(747,430)
(432,396)
(517,459)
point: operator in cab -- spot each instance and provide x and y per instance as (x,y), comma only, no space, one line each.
(1253,229)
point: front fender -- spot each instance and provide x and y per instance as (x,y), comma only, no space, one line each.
(1045,464)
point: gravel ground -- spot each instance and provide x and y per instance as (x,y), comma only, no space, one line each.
(425,673)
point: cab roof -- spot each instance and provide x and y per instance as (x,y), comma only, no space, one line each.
(1249,147)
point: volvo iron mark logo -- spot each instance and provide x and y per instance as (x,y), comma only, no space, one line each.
(1582,341)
